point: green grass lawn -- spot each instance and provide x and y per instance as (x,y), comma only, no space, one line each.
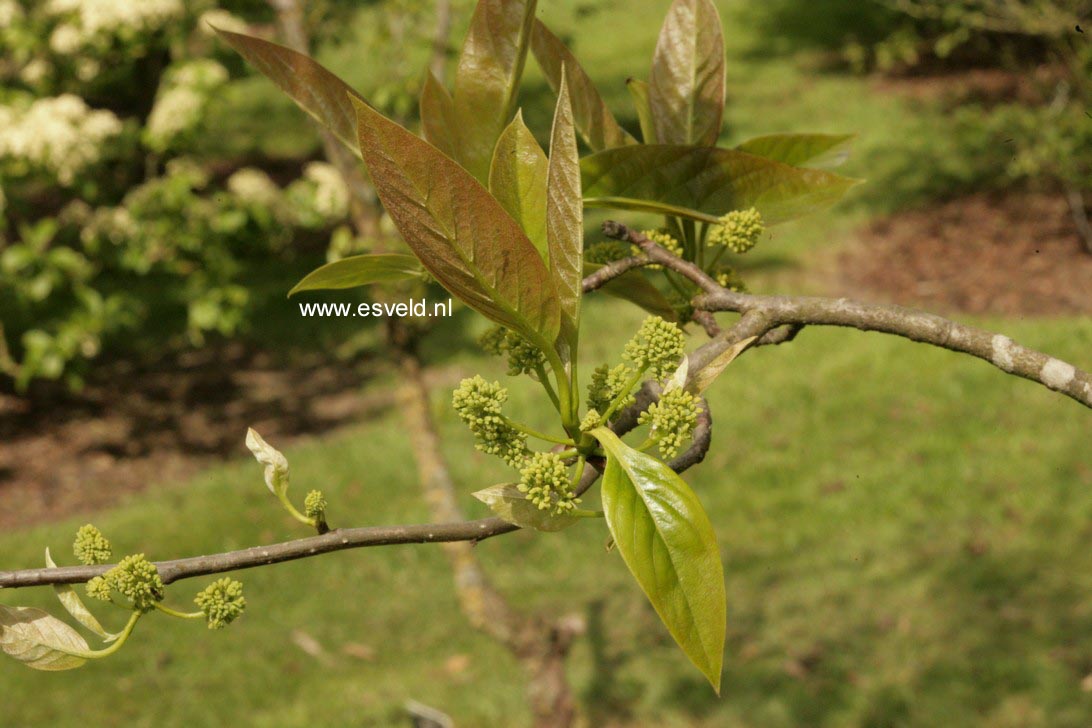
(904,531)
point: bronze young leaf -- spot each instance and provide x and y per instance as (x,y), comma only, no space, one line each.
(458,231)
(593,119)
(517,178)
(314,88)
(686,88)
(487,78)
(565,214)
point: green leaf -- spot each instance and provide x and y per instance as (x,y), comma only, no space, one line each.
(359,270)
(438,123)
(668,543)
(799,150)
(686,87)
(708,180)
(517,178)
(565,214)
(458,231)
(634,287)
(315,89)
(639,91)
(39,640)
(514,507)
(71,601)
(487,77)
(593,119)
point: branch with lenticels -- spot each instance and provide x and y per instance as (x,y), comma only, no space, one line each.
(776,319)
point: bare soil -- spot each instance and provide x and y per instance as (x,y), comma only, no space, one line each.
(137,426)
(1007,254)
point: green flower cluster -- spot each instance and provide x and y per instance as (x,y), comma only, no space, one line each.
(657,347)
(222,601)
(727,277)
(665,240)
(314,504)
(135,578)
(523,356)
(91,547)
(606,385)
(545,480)
(478,404)
(608,251)
(591,420)
(673,419)
(738,230)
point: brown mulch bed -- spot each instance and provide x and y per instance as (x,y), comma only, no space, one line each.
(138,426)
(1011,254)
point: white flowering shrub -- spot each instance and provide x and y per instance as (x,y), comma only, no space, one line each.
(103,194)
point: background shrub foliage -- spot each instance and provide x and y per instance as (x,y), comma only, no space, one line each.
(109,191)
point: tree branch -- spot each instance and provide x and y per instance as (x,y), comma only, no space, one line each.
(768,312)
(363,537)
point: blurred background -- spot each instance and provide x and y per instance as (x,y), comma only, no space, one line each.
(905,531)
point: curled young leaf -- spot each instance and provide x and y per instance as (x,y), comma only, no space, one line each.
(458,231)
(686,87)
(313,87)
(593,119)
(703,377)
(39,640)
(360,270)
(276,465)
(708,180)
(517,178)
(801,150)
(638,90)
(71,601)
(514,507)
(487,77)
(668,543)
(565,213)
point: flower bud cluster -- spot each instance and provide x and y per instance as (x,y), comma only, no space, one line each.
(591,420)
(673,419)
(222,601)
(738,230)
(478,404)
(665,240)
(727,277)
(608,251)
(314,504)
(657,347)
(545,480)
(606,385)
(523,356)
(91,547)
(135,578)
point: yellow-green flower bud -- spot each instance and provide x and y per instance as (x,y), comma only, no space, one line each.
(99,588)
(523,356)
(478,404)
(222,601)
(657,347)
(739,230)
(606,385)
(591,420)
(90,546)
(135,578)
(673,419)
(314,504)
(665,240)
(608,251)
(545,479)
